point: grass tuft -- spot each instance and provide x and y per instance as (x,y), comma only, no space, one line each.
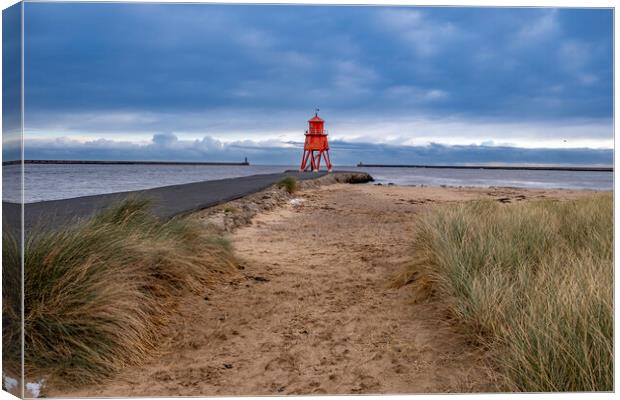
(289,184)
(230,209)
(98,292)
(532,282)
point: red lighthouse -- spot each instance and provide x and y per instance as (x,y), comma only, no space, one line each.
(316,145)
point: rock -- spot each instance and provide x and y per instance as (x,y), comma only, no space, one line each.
(217,220)
(236,213)
(251,207)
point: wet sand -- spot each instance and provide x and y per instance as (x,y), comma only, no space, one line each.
(311,309)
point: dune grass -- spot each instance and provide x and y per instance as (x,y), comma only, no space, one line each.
(289,184)
(531,282)
(98,292)
(11,304)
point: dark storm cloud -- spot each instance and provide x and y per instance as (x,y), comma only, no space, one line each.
(518,62)
(11,82)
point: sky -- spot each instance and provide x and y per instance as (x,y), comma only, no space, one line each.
(394,84)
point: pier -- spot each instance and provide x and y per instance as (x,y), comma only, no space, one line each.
(498,167)
(167,201)
(103,162)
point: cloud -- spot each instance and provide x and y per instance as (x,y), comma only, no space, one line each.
(353,77)
(424,34)
(576,57)
(255,39)
(162,146)
(237,125)
(397,75)
(240,57)
(11,82)
(541,28)
(438,154)
(574,54)
(415,95)
(169,147)
(164,139)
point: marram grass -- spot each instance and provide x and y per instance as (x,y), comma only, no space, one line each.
(532,282)
(98,292)
(289,184)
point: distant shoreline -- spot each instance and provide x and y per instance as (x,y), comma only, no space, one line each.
(100,162)
(498,167)
(359,165)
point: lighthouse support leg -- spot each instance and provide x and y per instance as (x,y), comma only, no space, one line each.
(328,162)
(317,162)
(311,157)
(304,160)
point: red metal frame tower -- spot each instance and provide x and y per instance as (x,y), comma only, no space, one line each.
(315,146)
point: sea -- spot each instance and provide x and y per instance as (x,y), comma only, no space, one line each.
(44,182)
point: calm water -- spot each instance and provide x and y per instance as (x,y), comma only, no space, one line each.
(486,178)
(51,182)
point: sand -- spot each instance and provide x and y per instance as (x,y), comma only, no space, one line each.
(311,309)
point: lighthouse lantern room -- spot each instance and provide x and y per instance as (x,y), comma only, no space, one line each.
(315,146)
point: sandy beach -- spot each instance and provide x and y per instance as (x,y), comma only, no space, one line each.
(311,309)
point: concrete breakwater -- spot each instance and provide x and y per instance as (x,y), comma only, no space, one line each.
(98,162)
(168,201)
